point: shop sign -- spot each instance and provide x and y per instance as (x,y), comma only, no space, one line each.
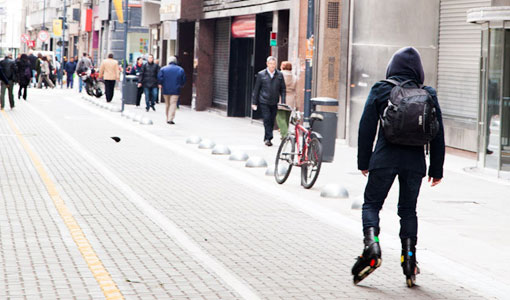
(243,26)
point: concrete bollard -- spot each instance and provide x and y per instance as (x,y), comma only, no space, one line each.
(146,121)
(357,202)
(220,150)
(194,140)
(239,156)
(206,144)
(256,162)
(270,171)
(334,191)
(137,118)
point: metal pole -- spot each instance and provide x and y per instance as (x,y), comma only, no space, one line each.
(308,74)
(124,60)
(44,21)
(64,20)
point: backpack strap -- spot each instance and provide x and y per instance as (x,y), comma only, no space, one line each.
(401,84)
(391,81)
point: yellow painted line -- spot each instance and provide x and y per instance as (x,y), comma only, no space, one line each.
(103,278)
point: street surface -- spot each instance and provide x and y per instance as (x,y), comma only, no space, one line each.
(151,217)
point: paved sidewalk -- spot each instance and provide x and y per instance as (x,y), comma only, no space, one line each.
(467,211)
(265,235)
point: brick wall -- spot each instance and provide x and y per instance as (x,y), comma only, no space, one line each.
(191,9)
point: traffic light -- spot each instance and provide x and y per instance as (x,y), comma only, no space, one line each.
(64,22)
(272,40)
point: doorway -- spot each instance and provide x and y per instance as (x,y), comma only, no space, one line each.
(241,77)
(185,58)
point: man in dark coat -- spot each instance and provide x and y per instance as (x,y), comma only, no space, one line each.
(3,78)
(33,62)
(9,68)
(24,68)
(148,79)
(70,69)
(388,161)
(269,86)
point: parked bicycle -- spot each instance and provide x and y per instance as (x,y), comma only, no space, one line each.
(308,155)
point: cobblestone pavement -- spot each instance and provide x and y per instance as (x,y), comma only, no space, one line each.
(167,221)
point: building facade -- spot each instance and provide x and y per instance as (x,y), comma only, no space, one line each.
(10,21)
(464,56)
(107,35)
(223,44)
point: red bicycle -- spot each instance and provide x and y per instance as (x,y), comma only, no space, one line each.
(308,155)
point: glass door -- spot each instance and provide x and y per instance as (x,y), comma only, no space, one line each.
(505,106)
(482,106)
(494,98)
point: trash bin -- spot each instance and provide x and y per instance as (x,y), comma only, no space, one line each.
(130,89)
(326,127)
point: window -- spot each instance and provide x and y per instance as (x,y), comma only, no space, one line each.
(333,13)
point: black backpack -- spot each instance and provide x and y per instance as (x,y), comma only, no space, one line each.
(410,118)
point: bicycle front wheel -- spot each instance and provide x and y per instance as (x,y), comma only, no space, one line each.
(284,159)
(312,166)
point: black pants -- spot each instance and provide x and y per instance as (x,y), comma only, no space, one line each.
(24,93)
(269,116)
(109,86)
(376,191)
(139,94)
(9,91)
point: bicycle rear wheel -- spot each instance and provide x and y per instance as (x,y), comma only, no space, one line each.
(284,159)
(311,168)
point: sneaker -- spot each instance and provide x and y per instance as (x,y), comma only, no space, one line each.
(147,109)
(171,123)
(153,108)
(268,143)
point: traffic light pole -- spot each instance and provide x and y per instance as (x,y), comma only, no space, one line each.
(63,47)
(43,22)
(124,60)
(309,59)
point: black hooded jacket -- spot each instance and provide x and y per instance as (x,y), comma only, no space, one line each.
(404,65)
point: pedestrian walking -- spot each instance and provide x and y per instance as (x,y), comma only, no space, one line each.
(399,151)
(51,65)
(38,67)
(283,114)
(156,61)
(171,79)
(70,69)
(4,81)
(58,65)
(109,71)
(33,61)
(84,64)
(148,79)
(45,73)
(269,87)
(24,68)
(136,70)
(9,68)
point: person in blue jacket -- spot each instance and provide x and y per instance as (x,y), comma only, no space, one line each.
(387,161)
(171,79)
(70,69)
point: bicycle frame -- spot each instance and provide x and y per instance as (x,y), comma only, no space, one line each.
(302,154)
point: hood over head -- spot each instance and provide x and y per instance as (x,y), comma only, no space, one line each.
(406,62)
